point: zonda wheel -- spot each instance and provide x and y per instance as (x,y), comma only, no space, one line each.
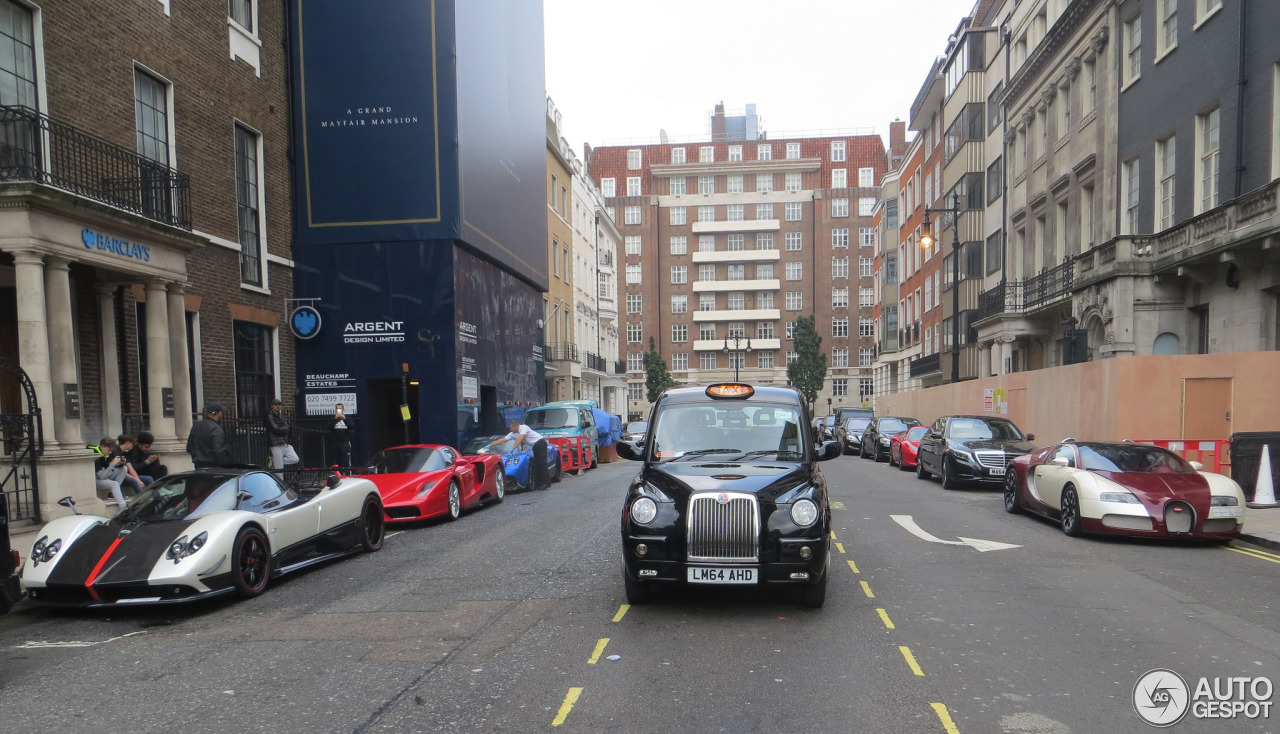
(1011,493)
(372,525)
(1071,512)
(638,592)
(455,501)
(250,562)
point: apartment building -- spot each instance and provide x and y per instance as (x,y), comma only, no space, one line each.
(560,354)
(726,243)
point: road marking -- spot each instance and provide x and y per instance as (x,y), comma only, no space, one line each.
(941,710)
(884,617)
(982,546)
(854,566)
(622,612)
(866,589)
(911,660)
(1252,552)
(840,547)
(595,656)
(837,505)
(36,644)
(392,535)
(833,535)
(570,699)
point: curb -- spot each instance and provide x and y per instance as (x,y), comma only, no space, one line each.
(1259,540)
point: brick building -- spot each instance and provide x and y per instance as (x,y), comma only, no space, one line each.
(145,225)
(737,238)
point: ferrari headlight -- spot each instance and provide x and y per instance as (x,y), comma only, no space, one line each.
(1223,501)
(426,487)
(1126,497)
(804,513)
(644,510)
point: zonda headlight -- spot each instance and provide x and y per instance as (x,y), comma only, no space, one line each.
(197,543)
(182,547)
(52,550)
(43,551)
(426,487)
(644,510)
(1126,497)
(1224,501)
(804,513)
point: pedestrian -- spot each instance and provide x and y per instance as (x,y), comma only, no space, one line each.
(340,436)
(143,461)
(109,471)
(520,433)
(110,449)
(207,442)
(126,445)
(282,452)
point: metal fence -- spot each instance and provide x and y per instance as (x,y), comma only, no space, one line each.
(250,443)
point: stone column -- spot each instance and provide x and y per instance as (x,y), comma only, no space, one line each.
(33,333)
(111,404)
(178,361)
(159,364)
(62,348)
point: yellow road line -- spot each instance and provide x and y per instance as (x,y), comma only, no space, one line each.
(884,617)
(1253,552)
(840,547)
(569,700)
(833,535)
(595,656)
(941,710)
(866,589)
(854,566)
(837,505)
(622,612)
(911,660)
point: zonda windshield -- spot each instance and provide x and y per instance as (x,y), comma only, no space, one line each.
(408,461)
(1136,458)
(766,431)
(182,497)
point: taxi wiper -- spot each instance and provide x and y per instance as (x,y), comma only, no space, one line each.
(703,452)
(761,452)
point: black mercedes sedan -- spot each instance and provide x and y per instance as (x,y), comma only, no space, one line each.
(970,448)
(875,440)
(729,493)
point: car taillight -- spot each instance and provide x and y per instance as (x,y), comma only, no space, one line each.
(17,558)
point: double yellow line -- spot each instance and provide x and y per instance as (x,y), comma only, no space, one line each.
(1255,553)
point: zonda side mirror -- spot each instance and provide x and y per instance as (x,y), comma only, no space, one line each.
(332,481)
(70,502)
(242,497)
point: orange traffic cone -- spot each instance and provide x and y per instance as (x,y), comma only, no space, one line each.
(1264,494)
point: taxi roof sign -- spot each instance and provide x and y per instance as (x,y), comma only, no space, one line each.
(730,390)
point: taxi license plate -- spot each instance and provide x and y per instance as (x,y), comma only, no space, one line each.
(721,575)
(1226,511)
(997,471)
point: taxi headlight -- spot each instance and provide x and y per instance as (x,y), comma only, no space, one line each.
(804,513)
(1125,497)
(644,510)
(1224,501)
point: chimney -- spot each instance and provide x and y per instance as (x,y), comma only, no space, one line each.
(717,125)
(897,135)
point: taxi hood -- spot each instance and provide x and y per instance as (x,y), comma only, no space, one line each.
(768,480)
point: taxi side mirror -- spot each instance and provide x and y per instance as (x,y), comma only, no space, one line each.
(829,450)
(629,450)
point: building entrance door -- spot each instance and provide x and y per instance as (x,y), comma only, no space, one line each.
(387,427)
(1206,408)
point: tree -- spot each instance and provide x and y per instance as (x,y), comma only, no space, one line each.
(656,375)
(809,372)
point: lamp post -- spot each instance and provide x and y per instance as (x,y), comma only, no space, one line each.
(828,405)
(927,241)
(738,346)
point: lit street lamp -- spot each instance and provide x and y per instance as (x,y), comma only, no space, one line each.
(926,241)
(738,346)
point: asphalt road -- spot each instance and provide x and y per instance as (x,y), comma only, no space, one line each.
(513,620)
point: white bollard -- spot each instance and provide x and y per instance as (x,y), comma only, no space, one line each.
(1264,494)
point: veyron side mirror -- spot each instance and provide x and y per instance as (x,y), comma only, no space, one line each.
(1197,466)
(1059,461)
(70,502)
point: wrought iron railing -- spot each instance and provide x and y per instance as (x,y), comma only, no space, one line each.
(926,365)
(619,368)
(36,147)
(596,362)
(562,352)
(1049,284)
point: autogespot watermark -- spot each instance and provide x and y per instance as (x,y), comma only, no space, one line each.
(1162,698)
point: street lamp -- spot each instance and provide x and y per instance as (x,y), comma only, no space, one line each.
(828,405)
(738,342)
(927,241)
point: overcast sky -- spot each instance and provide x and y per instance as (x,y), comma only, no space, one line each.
(620,71)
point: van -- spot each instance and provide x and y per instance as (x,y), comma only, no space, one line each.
(566,419)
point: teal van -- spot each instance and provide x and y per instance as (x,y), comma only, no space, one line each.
(566,419)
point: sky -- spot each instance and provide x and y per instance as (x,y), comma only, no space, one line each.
(620,71)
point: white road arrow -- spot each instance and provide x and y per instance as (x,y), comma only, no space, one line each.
(982,546)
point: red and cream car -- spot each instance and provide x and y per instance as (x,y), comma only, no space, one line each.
(427,480)
(1124,488)
(903,447)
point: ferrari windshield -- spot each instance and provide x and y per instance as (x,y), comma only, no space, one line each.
(551,418)
(408,461)
(1133,458)
(767,431)
(978,429)
(916,433)
(182,497)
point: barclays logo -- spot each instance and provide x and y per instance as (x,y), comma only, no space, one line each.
(99,241)
(304,322)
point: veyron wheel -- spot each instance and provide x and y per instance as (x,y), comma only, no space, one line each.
(500,487)
(372,525)
(1011,492)
(455,501)
(1071,512)
(250,562)
(638,592)
(948,481)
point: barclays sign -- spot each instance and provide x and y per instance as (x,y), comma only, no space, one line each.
(120,246)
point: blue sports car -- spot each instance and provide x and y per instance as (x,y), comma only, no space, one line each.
(516,462)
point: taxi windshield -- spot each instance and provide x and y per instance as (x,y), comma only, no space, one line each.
(728,432)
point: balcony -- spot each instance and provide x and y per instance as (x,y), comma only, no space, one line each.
(596,362)
(562,352)
(1250,218)
(1048,288)
(737,256)
(926,365)
(717,345)
(737,225)
(754,314)
(619,368)
(724,286)
(35,147)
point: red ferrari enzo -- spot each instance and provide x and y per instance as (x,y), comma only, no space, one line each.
(424,481)
(903,447)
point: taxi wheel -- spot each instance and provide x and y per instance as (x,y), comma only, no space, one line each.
(814,595)
(638,592)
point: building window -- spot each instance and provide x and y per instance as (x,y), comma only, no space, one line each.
(255,361)
(633,185)
(707,360)
(793,151)
(866,297)
(737,301)
(736,213)
(1168,39)
(840,357)
(839,297)
(635,333)
(1205,8)
(631,244)
(737,271)
(678,215)
(241,11)
(840,237)
(734,184)
(795,270)
(679,245)
(706,332)
(677,155)
(706,184)
(764,183)
(611,213)
(764,241)
(706,273)
(866,237)
(764,360)
(680,303)
(633,275)
(631,215)
(18,62)
(840,328)
(633,159)
(764,271)
(839,387)
(866,356)
(679,332)
(866,327)
(839,178)
(993,252)
(1088,85)
(794,241)
(764,211)
(706,243)
(737,330)
(1207,154)
(866,177)
(1132,67)
(634,303)
(151,114)
(764,329)
(793,211)
(1132,180)
(706,214)
(635,361)
(840,207)
(866,206)
(866,267)
(675,185)
(1165,176)
(795,300)
(249,221)
(791,330)
(837,150)
(608,187)
(679,274)
(635,391)
(680,361)
(707,154)
(791,181)
(792,356)
(839,267)
(735,153)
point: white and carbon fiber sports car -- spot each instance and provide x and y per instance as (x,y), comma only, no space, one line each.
(201,534)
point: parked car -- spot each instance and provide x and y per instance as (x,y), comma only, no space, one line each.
(970,448)
(904,446)
(828,428)
(729,493)
(200,534)
(875,440)
(10,588)
(567,419)
(851,434)
(429,480)
(845,413)
(1124,488)
(635,430)
(517,461)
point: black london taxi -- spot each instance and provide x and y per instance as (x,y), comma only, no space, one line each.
(729,493)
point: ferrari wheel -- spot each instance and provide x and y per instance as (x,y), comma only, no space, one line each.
(500,487)
(891,461)
(373,525)
(902,465)
(1071,512)
(948,481)
(250,562)
(1011,493)
(455,501)
(638,592)
(921,472)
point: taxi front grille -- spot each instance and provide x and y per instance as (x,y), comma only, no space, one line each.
(724,531)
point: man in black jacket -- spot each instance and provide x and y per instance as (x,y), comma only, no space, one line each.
(282,453)
(143,461)
(207,442)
